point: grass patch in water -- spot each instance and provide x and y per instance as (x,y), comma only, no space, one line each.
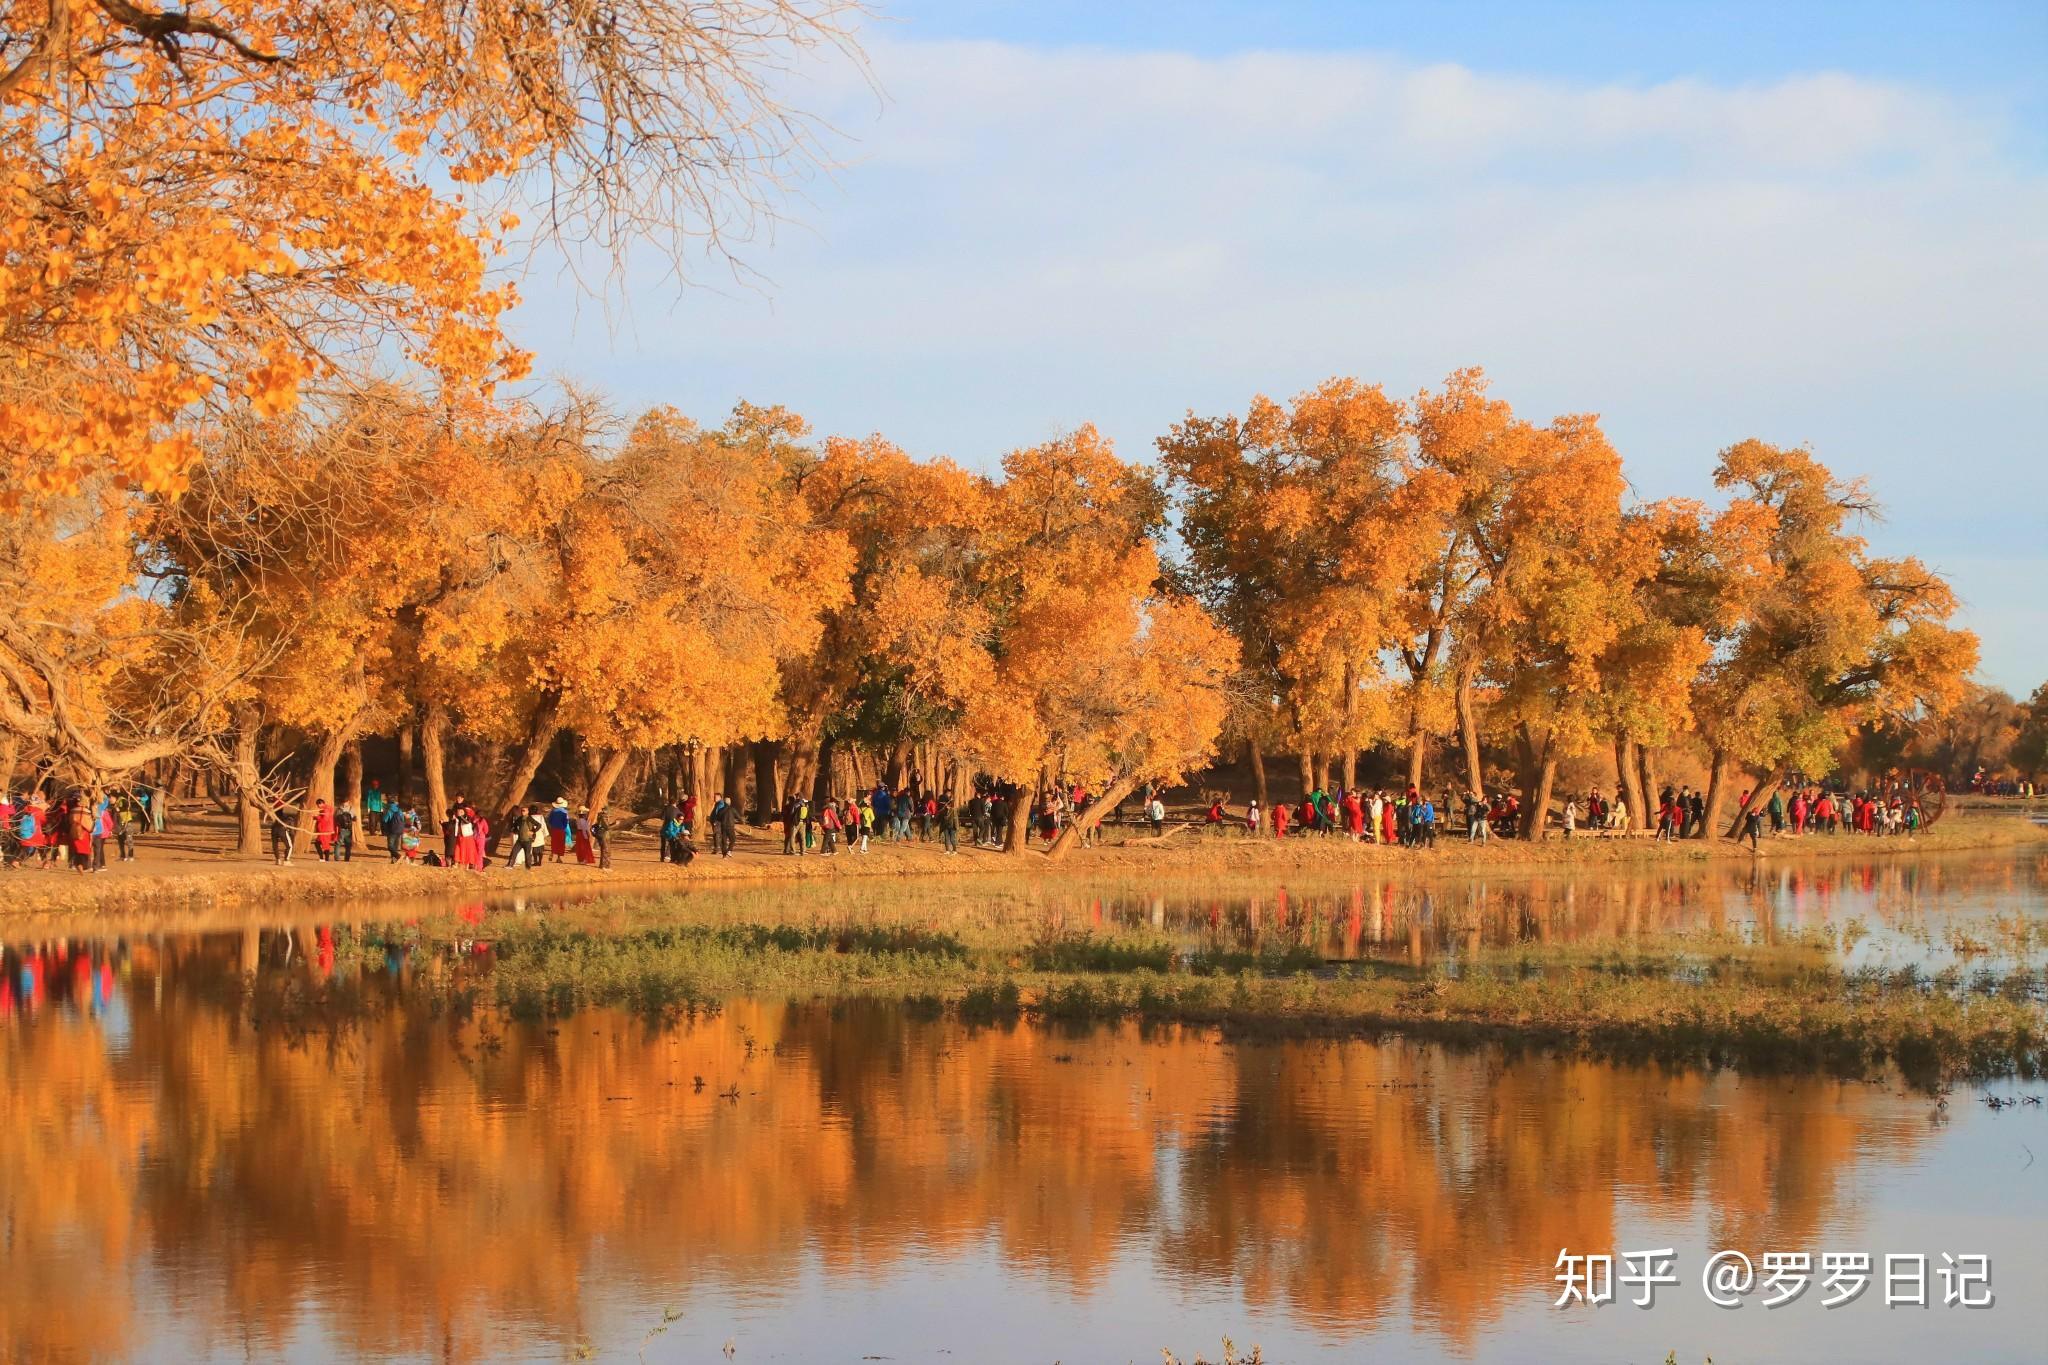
(1706,999)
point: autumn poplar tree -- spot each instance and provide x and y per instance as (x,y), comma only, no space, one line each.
(1299,539)
(1469,448)
(692,577)
(1560,563)
(1832,637)
(1066,661)
(209,215)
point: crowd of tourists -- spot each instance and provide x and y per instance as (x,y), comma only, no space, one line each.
(527,836)
(76,829)
(1983,784)
(1411,818)
(852,824)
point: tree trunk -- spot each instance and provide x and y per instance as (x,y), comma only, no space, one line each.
(352,773)
(795,773)
(160,809)
(248,775)
(1307,761)
(1646,766)
(739,777)
(1759,799)
(1349,770)
(1258,772)
(1717,790)
(1536,774)
(1417,744)
(10,749)
(600,790)
(320,779)
(767,795)
(1090,818)
(821,780)
(1468,728)
(1536,815)
(408,765)
(434,755)
(899,753)
(540,736)
(1020,820)
(1629,779)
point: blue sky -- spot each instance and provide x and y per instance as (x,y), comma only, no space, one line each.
(1809,222)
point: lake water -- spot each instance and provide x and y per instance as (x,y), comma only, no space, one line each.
(236,1143)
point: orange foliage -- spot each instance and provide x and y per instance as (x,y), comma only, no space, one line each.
(207,211)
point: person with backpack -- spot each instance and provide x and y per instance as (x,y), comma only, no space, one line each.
(725,826)
(792,822)
(128,816)
(949,825)
(344,833)
(102,833)
(830,821)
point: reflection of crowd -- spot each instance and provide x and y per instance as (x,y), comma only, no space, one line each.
(81,976)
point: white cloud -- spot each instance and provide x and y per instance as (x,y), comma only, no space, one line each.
(1022,239)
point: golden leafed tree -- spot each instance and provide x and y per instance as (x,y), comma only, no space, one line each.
(1298,537)
(1085,669)
(1823,637)
(210,214)
(692,576)
(206,209)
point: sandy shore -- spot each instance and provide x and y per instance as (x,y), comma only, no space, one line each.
(192,867)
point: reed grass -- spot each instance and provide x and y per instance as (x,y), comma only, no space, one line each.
(1693,999)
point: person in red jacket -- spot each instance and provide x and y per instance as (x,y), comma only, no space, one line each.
(1280,821)
(323,831)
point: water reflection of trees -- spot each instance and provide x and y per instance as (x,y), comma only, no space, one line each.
(432,1180)
(1409,919)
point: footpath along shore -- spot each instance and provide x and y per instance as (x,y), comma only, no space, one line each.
(193,867)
